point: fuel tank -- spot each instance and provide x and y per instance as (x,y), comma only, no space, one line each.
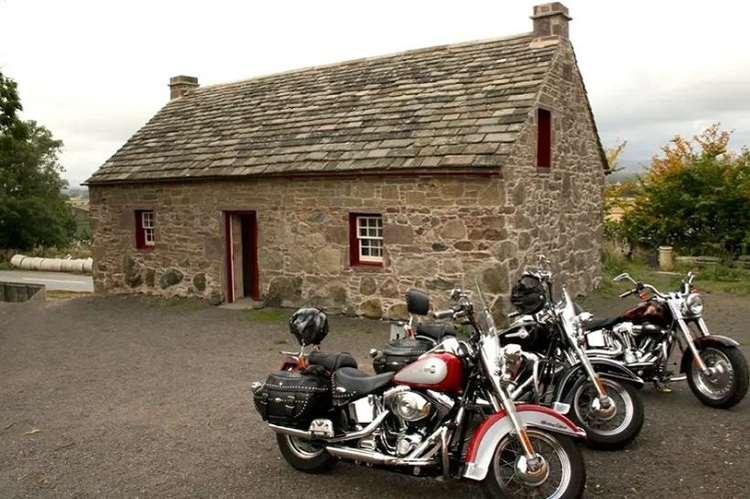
(442,372)
(649,312)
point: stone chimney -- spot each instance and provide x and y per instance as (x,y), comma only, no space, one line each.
(180,85)
(551,19)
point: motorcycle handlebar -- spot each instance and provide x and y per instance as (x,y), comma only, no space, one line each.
(627,293)
(444,314)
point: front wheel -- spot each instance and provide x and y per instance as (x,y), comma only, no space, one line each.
(724,385)
(564,476)
(607,429)
(303,455)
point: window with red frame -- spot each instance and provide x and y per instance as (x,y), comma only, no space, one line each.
(544,139)
(366,239)
(144,229)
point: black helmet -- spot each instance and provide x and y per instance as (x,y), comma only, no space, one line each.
(528,295)
(309,325)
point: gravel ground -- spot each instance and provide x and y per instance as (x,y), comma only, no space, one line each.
(133,397)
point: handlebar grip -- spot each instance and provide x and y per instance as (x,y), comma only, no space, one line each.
(627,293)
(443,314)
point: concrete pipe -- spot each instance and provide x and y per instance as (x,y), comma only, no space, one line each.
(51,264)
(17,260)
(34,263)
(88,265)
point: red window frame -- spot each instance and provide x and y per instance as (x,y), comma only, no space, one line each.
(544,139)
(144,234)
(356,257)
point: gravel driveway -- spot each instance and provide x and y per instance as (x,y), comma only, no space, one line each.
(133,397)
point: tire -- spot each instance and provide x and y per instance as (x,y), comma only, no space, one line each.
(567,473)
(729,386)
(620,429)
(303,455)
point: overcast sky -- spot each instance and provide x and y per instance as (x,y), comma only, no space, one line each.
(94,71)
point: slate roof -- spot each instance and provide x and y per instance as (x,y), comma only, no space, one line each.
(457,106)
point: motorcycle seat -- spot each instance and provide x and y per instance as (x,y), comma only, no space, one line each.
(332,360)
(600,323)
(435,331)
(350,384)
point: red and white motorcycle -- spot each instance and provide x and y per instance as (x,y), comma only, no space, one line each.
(430,418)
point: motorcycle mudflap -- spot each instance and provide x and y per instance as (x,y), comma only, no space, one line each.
(291,398)
(399,353)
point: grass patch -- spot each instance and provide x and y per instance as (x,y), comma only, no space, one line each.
(64,295)
(710,277)
(265,315)
(186,303)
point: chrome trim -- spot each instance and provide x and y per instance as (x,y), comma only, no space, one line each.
(307,435)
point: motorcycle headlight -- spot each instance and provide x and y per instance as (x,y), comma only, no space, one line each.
(694,304)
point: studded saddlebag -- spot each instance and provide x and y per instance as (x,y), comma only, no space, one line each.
(291,398)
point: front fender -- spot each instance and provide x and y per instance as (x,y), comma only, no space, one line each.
(605,368)
(702,343)
(497,426)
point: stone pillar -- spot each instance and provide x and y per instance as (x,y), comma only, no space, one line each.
(665,258)
(180,85)
(551,19)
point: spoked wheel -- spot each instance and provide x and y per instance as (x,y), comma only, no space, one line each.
(608,429)
(562,475)
(725,383)
(304,455)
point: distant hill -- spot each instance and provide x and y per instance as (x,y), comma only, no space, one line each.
(78,192)
(629,168)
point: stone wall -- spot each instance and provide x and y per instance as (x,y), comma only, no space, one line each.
(439,232)
(559,210)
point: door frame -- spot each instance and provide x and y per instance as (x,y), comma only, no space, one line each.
(231,217)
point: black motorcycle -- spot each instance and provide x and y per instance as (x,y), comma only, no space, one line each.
(645,337)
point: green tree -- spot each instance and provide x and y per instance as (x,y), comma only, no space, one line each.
(33,211)
(695,197)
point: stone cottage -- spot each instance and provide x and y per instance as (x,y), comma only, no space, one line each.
(344,185)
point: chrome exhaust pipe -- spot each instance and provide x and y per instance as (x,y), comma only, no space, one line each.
(362,455)
(308,435)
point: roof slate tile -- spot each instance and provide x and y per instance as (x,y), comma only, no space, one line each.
(443,107)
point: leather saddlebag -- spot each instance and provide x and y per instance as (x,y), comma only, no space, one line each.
(292,398)
(399,353)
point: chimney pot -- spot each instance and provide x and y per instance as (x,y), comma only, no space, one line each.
(551,19)
(180,85)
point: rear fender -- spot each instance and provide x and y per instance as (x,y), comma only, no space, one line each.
(713,340)
(496,427)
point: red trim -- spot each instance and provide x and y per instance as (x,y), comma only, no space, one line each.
(487,424)
(354,260)
(544,139)
(255,291)
(228,254)
(140,236)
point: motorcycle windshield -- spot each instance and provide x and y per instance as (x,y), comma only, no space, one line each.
(567,312)
(486,315)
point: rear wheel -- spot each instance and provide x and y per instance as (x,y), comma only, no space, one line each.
(564,477)
(304,455)
(608,431)
(725,383)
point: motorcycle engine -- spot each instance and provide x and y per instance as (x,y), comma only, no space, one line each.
(410,406)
